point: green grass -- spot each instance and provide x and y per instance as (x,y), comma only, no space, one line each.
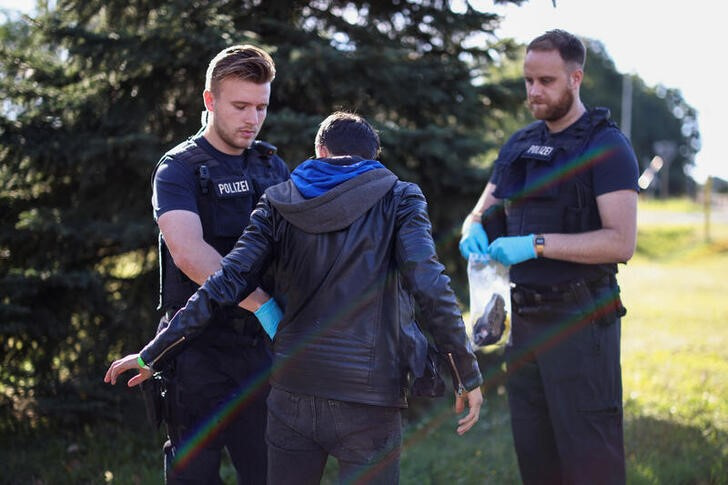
(675,370)
(675,358)
(676,205)
(92,455)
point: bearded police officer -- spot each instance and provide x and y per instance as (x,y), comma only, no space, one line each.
(569,186)
(204,191)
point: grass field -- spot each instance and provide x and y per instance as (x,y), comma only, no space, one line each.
(675,370)
(675,355)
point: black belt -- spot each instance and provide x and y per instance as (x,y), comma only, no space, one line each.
(528,295)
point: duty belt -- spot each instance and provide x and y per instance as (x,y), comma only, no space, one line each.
(530,295)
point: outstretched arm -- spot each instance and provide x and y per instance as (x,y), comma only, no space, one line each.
(232,283)
(474,400)
(124,364)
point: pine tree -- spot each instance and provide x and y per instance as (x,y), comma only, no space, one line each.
(95,91)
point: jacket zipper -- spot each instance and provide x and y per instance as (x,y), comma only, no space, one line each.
(461,389)
(171,346)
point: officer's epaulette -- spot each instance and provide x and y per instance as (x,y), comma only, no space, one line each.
(601,118)
(181,147)
(188,152)
(263,148)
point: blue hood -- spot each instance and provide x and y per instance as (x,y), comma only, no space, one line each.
(315,177)
(324,197)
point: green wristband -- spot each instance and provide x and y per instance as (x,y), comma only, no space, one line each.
(141,363)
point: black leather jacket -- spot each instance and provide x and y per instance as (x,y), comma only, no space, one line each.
(337,260)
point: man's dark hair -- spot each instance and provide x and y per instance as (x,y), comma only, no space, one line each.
(245,62)
(570,48)
(345,133)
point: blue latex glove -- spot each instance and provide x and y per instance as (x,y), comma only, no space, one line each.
(269,315)
(512,249)
(474,240)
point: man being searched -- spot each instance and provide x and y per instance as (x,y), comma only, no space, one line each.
(569,184)
(204,190)
(340,236)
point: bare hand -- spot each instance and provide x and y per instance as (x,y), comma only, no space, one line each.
(254,300)
(124,364)
(474,400)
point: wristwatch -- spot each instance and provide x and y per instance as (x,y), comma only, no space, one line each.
(539,241)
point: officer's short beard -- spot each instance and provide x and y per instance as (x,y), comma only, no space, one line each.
(229,138)
(557,110)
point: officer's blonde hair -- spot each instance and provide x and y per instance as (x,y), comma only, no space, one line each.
(245,62)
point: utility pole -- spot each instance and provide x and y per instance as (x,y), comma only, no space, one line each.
(667,150)
(707,203)
(626,123)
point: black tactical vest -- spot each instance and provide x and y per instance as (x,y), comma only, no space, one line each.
(543,196)
(224,203)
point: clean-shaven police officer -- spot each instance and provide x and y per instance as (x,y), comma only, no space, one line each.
(204,191)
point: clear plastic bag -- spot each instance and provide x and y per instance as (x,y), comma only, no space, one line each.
(490,301)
